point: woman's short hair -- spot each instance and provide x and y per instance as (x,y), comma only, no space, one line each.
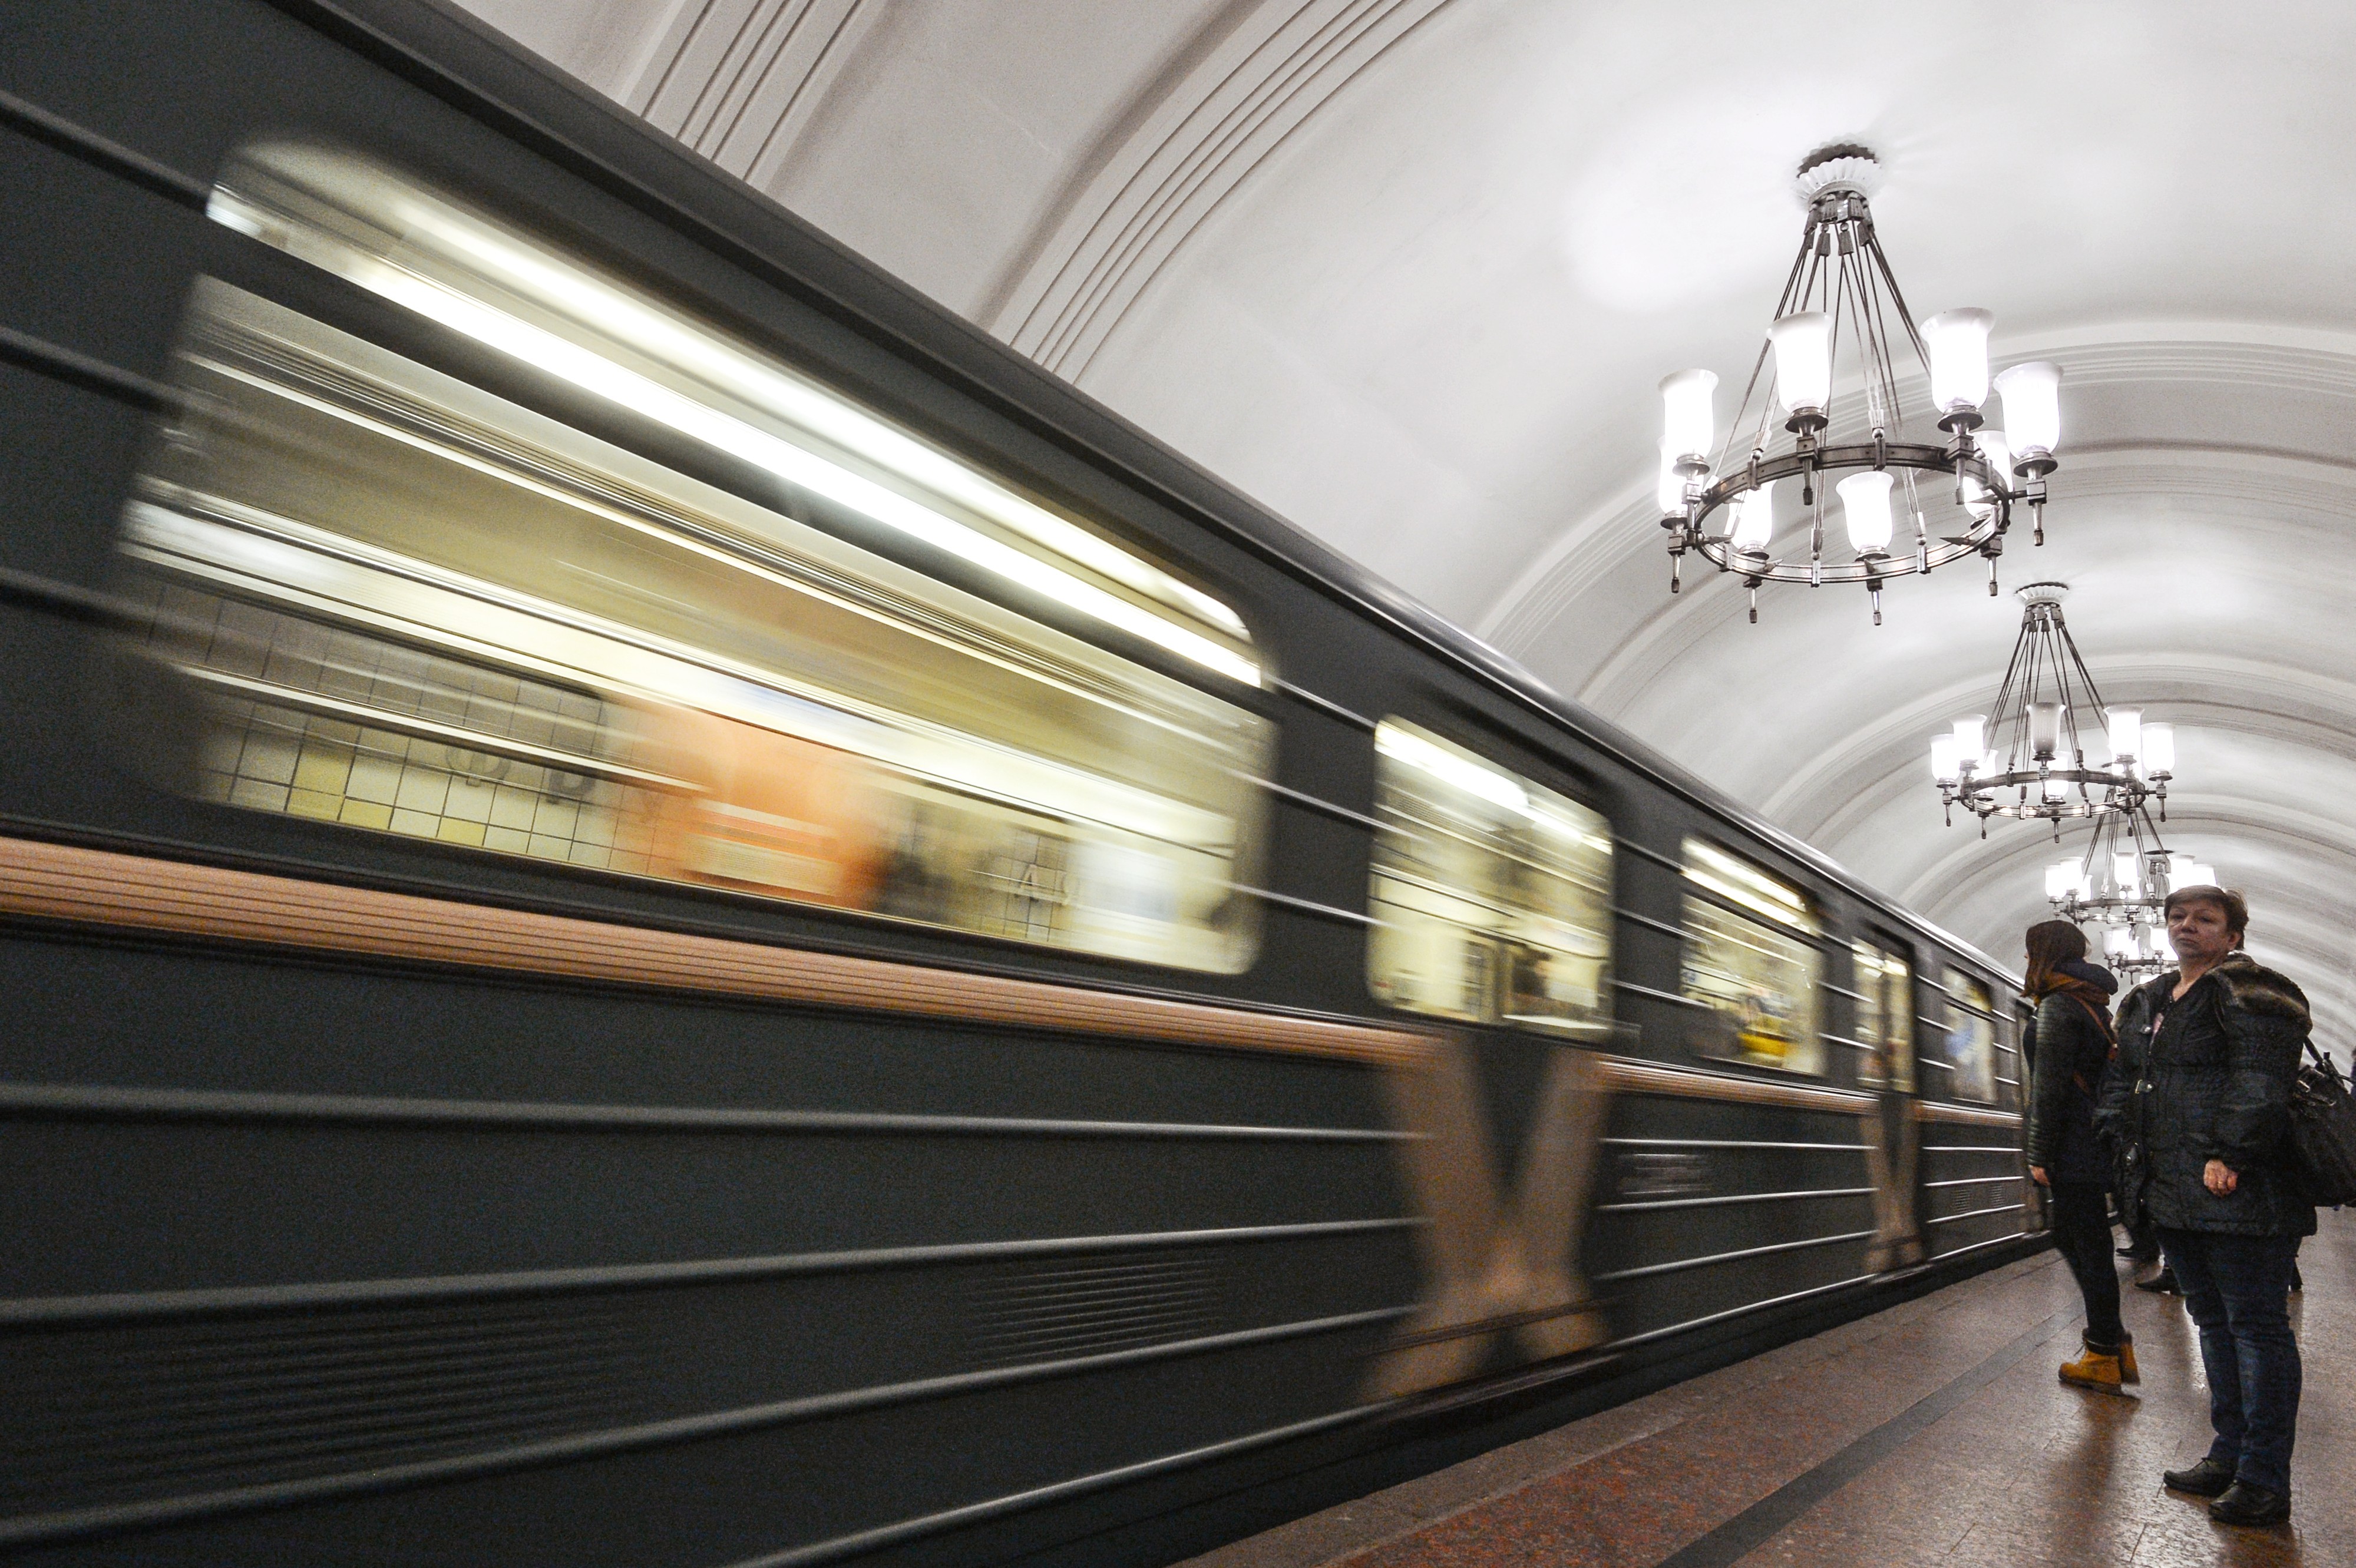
(2237,907)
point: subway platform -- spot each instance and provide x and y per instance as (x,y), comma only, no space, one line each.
(1934,1433)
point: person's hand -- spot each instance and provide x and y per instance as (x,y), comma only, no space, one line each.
(2219,1178)
(2037,1174)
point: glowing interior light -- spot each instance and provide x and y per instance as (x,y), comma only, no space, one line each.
(2127,871)
(1998,449)
(2044,729)
(2119,942)
(1445,766)
(2125,730)
(2157,940)
(1865,507)
(2197,875)
(1754,519)
(1970,737)
(2061,879)
(2055,791)
(1803,361)
(1957,342)
(1688,422)
(554,288)
(2159,751)
(1946,758)
(2032,407)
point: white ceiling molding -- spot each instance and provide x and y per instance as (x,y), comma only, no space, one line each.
(1211,127)
(738,79)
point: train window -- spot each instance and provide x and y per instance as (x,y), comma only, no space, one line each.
(1885,1018)
(1753,958)
(1492,892)
(1969,1049)
(414,606)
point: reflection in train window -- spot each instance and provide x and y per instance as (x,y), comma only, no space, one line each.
(1492,893)
(1969,1048)
(410,606)
(1885,1018)
(1753,959)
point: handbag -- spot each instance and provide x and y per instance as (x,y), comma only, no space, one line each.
(2323,1132)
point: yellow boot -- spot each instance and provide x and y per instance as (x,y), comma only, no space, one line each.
(2127,1373)
(2097,1368)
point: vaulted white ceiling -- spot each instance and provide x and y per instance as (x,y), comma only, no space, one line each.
(1406,271)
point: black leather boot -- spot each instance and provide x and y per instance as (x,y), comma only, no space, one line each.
(2208,1478)
(2164,1282)
(2245,1504)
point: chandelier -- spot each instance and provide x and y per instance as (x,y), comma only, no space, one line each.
(2033,760)
(1957,495)
(2121,885)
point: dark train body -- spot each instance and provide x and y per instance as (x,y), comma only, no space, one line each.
(661,908)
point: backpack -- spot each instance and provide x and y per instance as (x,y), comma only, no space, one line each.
(2323,1132)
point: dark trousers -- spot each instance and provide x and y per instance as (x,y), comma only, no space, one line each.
(2081,1234)
(2237,1289)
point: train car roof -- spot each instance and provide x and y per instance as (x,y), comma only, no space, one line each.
(461,60)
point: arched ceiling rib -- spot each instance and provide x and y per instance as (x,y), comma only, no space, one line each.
(1407,270)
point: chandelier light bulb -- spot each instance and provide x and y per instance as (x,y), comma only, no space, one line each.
(1970,736)
(2126,868)
(2157,938)
(1997,454)
(2118,941)
(1957,341)
(2126,734)
(2032,408)
(1688,422)
(1754,520)
(1803,361)
(2061,879)
(1946,758)
(2055,791)
(1865,507)
(2159,751)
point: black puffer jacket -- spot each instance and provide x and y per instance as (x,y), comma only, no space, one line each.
(2068,1048)
(2212,1082)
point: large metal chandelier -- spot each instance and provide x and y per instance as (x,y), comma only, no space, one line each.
(2040,766)
(2121,886)
(1841,293)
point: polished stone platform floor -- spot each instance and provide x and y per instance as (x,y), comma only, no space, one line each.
(1934,1433)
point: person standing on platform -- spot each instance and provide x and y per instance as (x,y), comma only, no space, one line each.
(2068,1048)
(2199,1101)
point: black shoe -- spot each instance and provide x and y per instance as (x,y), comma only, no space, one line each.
(2208,1478)
(2297,1284)
(2246,1504)
(2164,1283)
(2139,1254)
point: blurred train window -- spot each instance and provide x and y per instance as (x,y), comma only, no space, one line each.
(1492,893)
(410,606)
(1885,1018)
(1753,957)
(1969,1048)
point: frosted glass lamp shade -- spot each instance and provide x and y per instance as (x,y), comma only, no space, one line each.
(2126,868)
(1803,361)
(2126,734)
(2055,791)
(1971,736)
(1688,422)
(2033,408)
(1864,507)
(1997,452)
(2159,751)
(1957,341)
(2044,729)
(2119,942)
(1754,519)
(2061,879)
(1946,761)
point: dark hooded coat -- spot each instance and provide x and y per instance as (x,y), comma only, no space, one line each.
(2068,1045)
(2208,1076)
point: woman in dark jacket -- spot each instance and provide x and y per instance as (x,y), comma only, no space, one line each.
(2199,1102)
(2068,1048)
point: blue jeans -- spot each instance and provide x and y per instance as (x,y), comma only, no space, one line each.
(2237,1289)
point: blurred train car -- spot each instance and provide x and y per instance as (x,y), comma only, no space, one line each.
(660,907)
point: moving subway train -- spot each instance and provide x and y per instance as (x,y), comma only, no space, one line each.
(661,908)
